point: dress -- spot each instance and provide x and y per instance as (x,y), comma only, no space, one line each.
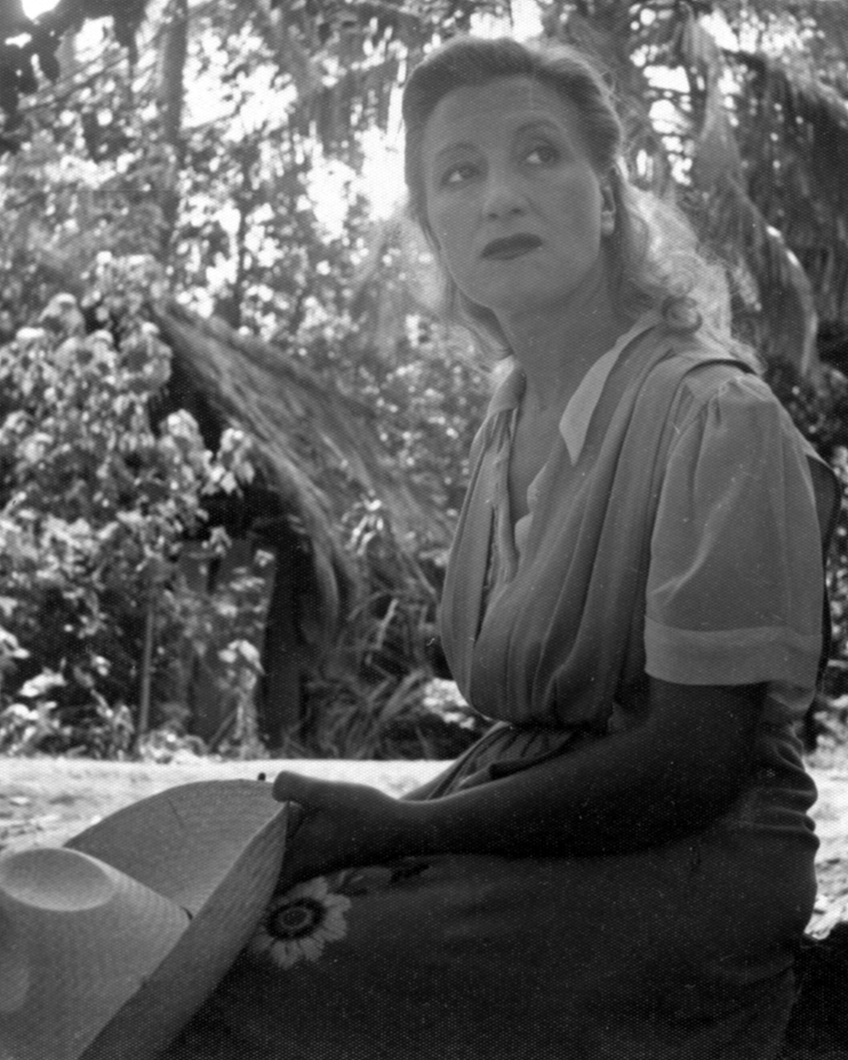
(675,471)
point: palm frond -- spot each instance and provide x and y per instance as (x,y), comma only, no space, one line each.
(774,304)
(794,136)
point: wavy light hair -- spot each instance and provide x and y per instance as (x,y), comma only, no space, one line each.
(653,257)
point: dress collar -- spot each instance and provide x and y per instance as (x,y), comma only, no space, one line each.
(574,424)
(575,421)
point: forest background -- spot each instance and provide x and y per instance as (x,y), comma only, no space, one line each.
(240,159)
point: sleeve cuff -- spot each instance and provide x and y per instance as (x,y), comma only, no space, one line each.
(731,657)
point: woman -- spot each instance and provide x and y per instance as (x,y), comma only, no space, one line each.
(623,867)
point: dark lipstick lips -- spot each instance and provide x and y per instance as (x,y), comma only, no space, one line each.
(511,246)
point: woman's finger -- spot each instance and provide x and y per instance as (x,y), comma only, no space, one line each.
(293,787)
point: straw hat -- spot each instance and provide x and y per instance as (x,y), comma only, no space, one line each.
(109,944)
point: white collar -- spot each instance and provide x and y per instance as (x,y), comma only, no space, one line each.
(574,424)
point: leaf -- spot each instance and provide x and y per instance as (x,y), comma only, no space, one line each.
(42,684)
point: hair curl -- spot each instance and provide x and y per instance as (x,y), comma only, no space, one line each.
(655,262)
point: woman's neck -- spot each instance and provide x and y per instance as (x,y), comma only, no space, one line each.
(556,349)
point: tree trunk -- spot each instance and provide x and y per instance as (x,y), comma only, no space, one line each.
(171,97)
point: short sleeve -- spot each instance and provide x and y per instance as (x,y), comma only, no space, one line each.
(735,582)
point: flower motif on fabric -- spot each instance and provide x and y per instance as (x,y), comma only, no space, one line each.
(299,923)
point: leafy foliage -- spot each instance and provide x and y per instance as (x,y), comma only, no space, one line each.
(28,48)
(96,504)
(107,147)
(381,696)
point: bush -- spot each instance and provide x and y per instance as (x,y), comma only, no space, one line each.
(96,504)
(99,626)
(383,693)
(820,410)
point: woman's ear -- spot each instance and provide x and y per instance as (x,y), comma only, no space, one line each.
(607,208)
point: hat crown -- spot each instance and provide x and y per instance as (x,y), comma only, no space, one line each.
(55,879)
(108,945)
(69,922)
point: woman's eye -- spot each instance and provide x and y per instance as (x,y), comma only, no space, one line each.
(458,174)
(541,155)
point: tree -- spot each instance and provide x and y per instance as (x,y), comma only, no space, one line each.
(736,107)
(756,128)
(759,131)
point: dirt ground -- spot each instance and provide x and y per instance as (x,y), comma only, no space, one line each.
(44,801)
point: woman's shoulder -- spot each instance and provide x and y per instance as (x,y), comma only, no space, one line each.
(709,380)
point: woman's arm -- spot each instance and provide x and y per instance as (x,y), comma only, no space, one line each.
(672,775)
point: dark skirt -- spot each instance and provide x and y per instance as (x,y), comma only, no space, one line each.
(680,952)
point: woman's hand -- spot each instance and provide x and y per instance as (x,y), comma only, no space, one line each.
(336,825)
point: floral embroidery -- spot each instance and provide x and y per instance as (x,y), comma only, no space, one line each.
(300,923)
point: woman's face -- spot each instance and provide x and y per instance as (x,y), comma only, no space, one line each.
(516,207)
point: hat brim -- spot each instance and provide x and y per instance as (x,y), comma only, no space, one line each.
(221,865)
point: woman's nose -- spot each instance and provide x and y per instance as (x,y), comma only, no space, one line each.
(503,195)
